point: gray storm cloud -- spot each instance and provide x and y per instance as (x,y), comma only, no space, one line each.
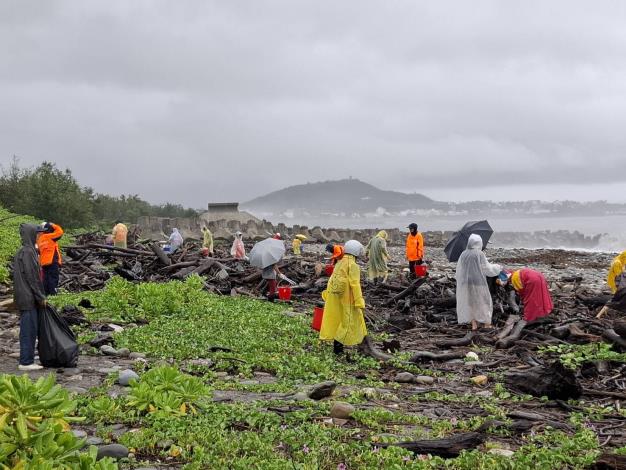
(206,100)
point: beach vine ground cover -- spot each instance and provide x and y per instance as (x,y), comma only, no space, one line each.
(243,336)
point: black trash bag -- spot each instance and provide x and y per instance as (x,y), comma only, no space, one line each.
(57,343)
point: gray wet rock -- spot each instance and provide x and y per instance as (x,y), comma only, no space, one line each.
(79,433)
(123,352)
(404,377)
(126,376)
(116,451)
(424,380)
(203,362)
(165,444)
(108,350)
(94,441)
(301,396)
(342,410)
(77,390)
(322,390)
(137,355)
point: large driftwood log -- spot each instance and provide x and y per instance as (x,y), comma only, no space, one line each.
(464,341)
(507,342)
(613,337)
(156,249)
(449,447)
(368,347)
(610,462)
(421,356)
(408,291)
(508,326)
(110,248)
(554,381)
(174,267)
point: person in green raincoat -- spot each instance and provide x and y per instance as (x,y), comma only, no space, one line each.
(207,240)
(377,257)
(343,322)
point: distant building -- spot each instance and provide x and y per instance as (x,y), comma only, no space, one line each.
(227,211)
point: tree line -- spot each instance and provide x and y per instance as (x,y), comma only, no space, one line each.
(50,193)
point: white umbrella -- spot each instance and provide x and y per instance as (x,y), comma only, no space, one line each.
(267,252)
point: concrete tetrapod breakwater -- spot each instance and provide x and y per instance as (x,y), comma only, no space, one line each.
(224,230)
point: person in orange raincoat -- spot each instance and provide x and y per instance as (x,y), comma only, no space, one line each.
(50,256)
(120,234)
(414,248)
(336,251)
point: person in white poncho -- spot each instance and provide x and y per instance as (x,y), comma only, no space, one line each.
(473,300)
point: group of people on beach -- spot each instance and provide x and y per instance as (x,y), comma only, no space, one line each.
(36,275)
(343,321)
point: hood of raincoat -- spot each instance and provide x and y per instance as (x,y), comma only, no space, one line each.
(354,248)
(616,269)
(28,233)
(382,234)
(475,242)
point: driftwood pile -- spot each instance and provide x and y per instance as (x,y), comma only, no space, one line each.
(419,316)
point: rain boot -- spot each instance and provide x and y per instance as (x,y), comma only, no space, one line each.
(337,347)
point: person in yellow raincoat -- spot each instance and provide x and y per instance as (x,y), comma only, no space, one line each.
(296,244)
(378,255)
(207,240)
(616,279)
(343,321)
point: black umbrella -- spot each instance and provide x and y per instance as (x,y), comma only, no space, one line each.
(458,242)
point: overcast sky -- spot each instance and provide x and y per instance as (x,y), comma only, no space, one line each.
(191,101)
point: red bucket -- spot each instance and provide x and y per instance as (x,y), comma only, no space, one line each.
(318,314)
(328,269)
(421,270)
(284,293)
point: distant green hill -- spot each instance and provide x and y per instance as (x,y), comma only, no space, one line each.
(347,195)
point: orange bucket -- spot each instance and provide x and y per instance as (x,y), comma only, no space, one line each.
(328,269)
(284,293)
(318,314)
(421,270)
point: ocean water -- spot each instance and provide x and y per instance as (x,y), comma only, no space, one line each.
(612,228)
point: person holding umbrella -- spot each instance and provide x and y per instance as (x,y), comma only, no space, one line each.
(414,248)
(473,299)
(266,255)
(458,242)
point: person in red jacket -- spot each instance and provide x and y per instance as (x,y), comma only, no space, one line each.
(50,256)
